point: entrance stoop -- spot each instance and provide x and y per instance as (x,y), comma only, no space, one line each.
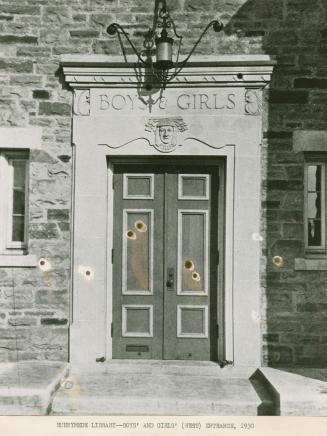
(26,388)
(129,387)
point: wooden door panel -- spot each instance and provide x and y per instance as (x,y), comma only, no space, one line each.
(137,267)
(164,273)
(187,309)
(192,252)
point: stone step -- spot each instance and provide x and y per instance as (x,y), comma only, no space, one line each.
(157,388)
(172,367)
(26,388)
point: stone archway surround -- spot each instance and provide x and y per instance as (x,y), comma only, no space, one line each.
(219,100)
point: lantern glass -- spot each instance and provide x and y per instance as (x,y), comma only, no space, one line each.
(164,53)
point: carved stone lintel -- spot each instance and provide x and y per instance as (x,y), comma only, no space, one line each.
(253,102)
(82,102)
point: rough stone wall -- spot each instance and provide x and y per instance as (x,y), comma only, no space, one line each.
(34,304)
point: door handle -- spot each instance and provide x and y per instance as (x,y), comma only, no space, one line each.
(170,283)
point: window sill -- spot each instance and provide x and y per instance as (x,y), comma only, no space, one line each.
(305,264)
(29,260)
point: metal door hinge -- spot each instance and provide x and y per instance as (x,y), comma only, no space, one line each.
(112,329)
(217,331)
(112,255)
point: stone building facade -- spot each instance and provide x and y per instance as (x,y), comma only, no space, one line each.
(36,292)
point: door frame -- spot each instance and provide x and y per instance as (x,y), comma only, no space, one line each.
(223,158)
(233,131)
(185,161)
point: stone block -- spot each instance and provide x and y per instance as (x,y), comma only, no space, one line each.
(285,216)
(19,9)
(285,185)
(14,66)
(270,337)
(276,325)
(55,108)
(17,39)
(44,231)
(47,68)
(57,15)
(80,18)
(51,299)
(282,37)
(292,231)
(22,322)
(293,201)
(273,134)
(310,83)
(312,307)
(278,354)
(41,94)
(84,33)
(64,226)
(54,321)
(32,51)
(289,97)
(16,297)
(102,19)
(6,17)
(271,204)
(25,80)
(58,214)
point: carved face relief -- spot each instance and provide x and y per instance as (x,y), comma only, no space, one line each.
(166,132)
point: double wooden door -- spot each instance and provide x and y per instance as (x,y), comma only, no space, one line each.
(165,261)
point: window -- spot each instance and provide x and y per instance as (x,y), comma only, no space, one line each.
(315,210)
(13,201)
(313,143)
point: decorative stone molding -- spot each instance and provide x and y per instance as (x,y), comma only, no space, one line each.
(81,102)
(253,102)
(82,72)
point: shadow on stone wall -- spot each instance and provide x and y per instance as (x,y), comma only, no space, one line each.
(294,303)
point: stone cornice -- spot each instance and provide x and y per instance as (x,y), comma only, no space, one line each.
(98,71)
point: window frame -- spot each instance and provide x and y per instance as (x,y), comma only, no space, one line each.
(7,158)
(309,160)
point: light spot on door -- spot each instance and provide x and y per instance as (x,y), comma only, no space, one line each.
(196,276)
(141,226)
(130,234)
(188,264)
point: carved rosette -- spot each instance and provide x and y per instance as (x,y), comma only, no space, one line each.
(82,102)
(253,102)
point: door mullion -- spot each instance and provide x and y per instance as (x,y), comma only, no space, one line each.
(165,254)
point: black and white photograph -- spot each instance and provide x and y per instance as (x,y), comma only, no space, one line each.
(163,197)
